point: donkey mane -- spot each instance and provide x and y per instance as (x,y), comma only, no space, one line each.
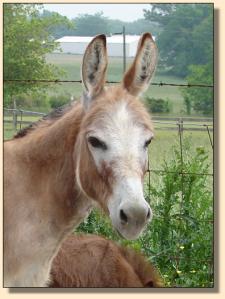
(46,120)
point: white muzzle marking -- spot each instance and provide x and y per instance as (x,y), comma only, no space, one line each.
(128,209)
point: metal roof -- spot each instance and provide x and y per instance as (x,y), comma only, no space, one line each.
(114,39)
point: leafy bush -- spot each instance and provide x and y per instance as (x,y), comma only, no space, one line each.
(199,99)
(24,50)
(182,232)
(56,101)
(31,101)
(158,105)
(179,240)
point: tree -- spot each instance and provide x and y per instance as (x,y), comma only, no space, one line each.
(160,13)
(200,99)
(186,48)
(90,25)
(59,29)
(186,35)
(26,42)
(136,27)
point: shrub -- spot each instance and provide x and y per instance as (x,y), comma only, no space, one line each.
(182,232)
(29,101)
(200,99)
(56,101)
(158,105)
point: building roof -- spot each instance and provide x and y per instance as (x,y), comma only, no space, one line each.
(114,39)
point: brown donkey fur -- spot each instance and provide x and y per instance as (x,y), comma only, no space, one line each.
(50,179)
(87,261)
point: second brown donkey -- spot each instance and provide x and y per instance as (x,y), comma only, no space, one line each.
(87,261)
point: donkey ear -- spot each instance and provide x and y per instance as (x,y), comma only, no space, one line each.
(137,78)
(94,66)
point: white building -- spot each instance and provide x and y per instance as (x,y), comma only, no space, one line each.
(78,44)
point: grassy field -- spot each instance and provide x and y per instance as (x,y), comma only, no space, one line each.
(71,64)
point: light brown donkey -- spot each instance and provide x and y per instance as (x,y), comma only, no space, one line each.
(90,261)
(93,152)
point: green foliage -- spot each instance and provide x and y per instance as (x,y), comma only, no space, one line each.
(26,42)
(61,28)
(160,13)
(56,101)
(90,25)
(136,27)
(200,99)
(98,224)
(186,48)
(180,237)
(158,105)
(30,101)
(186,36)
(183,214)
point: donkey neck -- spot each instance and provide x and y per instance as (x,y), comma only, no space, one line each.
(46,153)
(53,140)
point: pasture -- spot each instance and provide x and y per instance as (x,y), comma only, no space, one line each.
(71,65)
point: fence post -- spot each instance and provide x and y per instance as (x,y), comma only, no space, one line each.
(14,115)
(124,49)
(181,126)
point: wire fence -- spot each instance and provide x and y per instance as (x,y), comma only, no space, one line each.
(161,123)
(182,217)
(32,81)
(179,125)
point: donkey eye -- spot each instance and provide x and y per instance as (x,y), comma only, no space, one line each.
(147,143)
(95,142)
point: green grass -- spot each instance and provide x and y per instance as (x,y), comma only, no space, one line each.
(71,64)
(163,140)
(9,131)
(24,118)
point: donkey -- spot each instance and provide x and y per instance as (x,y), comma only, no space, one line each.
(94,152)
(90,261)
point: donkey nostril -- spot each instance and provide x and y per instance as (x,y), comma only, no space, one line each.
(148,215)
(123,216)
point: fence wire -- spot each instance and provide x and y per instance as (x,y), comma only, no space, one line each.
(32,81)
(209,260)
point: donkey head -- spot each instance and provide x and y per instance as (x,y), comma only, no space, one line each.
(114,136)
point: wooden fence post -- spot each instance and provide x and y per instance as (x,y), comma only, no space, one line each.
(181,125)
(14,115)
